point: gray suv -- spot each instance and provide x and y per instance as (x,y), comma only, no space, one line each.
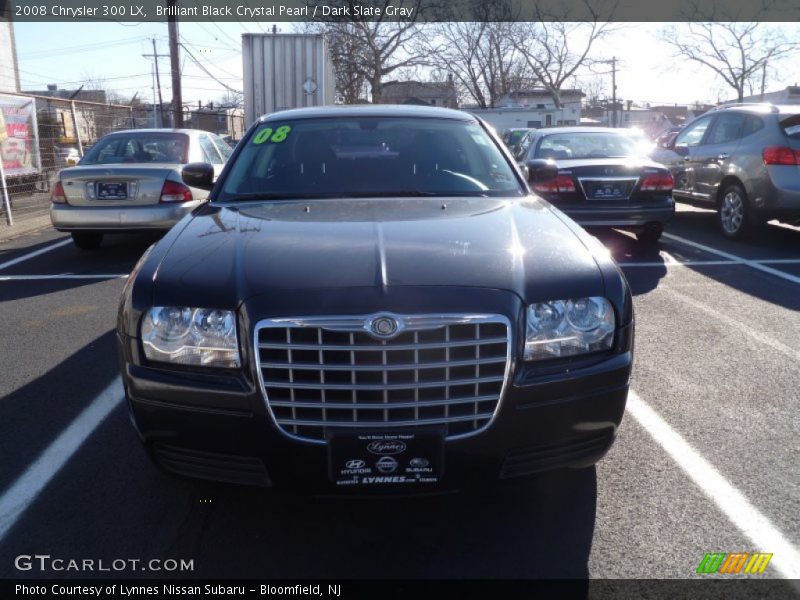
(744,160)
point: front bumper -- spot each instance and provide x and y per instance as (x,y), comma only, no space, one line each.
(66,217)
(217,426)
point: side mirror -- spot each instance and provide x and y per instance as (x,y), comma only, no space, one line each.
(199,175)
(541,170)
(680,149)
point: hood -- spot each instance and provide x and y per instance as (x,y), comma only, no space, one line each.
(227,254)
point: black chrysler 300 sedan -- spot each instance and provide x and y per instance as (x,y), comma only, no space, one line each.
(374,299)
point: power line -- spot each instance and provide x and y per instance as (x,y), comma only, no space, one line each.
(207,72)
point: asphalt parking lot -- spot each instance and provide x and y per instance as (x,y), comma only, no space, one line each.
(706,459)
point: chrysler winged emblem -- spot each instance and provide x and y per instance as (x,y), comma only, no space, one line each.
(383,326)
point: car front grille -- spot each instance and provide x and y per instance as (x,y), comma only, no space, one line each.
(334,372)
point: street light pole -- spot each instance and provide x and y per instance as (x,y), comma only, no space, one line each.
(614,91)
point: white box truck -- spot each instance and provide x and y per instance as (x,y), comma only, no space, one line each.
(285,71)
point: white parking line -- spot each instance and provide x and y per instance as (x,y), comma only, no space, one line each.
(747,519)
(740,259)
(23,492)
(62,276)
(687,263)
(34,254)
(787,351)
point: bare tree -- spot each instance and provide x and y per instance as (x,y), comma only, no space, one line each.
(481,57)
(737,52)
(369,51)
(555,48)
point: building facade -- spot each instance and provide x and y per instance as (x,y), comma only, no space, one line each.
(421,93)
(9,70)
(534,108)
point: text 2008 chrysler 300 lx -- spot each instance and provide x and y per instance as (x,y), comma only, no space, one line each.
(373,299)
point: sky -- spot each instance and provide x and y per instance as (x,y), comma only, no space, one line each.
(69,54)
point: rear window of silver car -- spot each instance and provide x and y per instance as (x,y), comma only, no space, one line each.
(367,156)
(139,147)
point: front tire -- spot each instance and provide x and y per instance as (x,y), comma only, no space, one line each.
(733,214)
(87,240)
(650,234)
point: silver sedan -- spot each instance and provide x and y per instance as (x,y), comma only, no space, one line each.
(131,181)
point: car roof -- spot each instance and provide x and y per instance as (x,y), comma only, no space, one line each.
(758,107)
(159,130)
(549,130)
(369,110)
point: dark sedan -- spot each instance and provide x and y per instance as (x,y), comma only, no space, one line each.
(372,299)
(604,180)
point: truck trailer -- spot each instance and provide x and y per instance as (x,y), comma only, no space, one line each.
(284,71)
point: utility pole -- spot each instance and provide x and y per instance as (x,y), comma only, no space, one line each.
(614,90)
(160,111)
(174,59)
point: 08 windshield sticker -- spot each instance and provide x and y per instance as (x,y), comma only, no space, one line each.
(273,136)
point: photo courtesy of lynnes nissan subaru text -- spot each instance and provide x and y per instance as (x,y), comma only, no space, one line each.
(373,299)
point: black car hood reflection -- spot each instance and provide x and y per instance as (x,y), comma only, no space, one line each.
(227,254)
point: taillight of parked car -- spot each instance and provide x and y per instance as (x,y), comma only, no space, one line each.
(658,182)
(780,155)
(174,191)
(562,183)
(57,196)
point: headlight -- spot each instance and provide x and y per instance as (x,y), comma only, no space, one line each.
(191,336)
(568,327)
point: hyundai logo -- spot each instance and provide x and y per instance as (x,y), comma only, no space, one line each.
(355,464)
(383,326)
(386,447)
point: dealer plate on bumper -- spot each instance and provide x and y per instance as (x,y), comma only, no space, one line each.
(382,458)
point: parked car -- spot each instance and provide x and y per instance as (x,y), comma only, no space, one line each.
(372,298)
(131,181)
(512,137)
(743,160)
(604,180)
(66,156)
(667,138)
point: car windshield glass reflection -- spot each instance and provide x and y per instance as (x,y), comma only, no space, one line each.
(167,148)
(587,145)
(372,156)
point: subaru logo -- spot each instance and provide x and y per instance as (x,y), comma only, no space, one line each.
(419,463)
(386,464)
(386,447)
(383,326)
(355,464)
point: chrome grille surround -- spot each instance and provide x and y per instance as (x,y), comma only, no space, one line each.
(300,396)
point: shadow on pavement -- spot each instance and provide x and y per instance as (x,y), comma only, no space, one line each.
(626,249)
(542,527)
(35,414)
(772,242)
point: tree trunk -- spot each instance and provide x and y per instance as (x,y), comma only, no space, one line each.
(376,87)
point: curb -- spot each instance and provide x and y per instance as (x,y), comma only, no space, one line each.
(24,228)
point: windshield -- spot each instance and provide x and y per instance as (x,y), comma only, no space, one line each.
(368,156)
(587,145)
(139,147)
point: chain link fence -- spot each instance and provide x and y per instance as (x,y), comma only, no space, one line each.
(40,135)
